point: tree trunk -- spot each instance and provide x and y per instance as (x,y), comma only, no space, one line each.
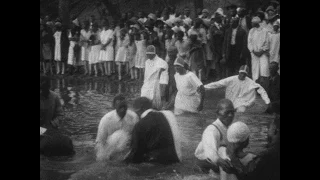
(64,12)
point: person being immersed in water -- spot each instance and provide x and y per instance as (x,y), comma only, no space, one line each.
(114,130)
(266,164)
(52,142)
(156,137)
(240,89)
(238,138)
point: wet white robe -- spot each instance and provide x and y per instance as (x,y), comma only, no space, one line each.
(187,98)
(241,93)
(151,84)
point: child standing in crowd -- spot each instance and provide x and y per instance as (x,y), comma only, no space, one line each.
(141,57)
(47,44)
(61,47)
(121,58)
(57,48)
(107,50)
(85,48)
(74,48)
(95,48)
(131,53)
(117,29)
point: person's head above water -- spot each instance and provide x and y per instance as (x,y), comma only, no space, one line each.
(141,104)
(121,105)
(225,111)
(243,72)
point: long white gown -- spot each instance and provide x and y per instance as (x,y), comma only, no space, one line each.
(57,47)
(187,98)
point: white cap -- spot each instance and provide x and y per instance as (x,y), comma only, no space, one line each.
(238,132)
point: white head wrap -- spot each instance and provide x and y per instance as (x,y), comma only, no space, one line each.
(256,19)
(238,132)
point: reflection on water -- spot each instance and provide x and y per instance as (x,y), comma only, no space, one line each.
(85,102)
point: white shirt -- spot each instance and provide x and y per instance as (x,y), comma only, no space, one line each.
(111,122)
(241,93)
(211,141)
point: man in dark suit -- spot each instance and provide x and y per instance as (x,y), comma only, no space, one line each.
(274,85)
(155,136)
(234,47)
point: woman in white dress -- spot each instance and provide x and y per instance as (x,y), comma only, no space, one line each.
(107,51)
(95,48)
(85,49)
(57,47)
(190,95)
(141,57)
(122,51)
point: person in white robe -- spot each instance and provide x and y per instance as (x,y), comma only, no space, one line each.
(258,45)
(214,136)
(155,77)
(190,95)
(114,131)
(107,51)
(240,89)
(274,39)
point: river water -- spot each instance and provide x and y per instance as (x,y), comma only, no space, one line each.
(86,100)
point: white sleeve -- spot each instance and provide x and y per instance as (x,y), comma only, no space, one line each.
(210,140)
(195,80)
(164,78)
(102,133)
(264,94)
(218,84)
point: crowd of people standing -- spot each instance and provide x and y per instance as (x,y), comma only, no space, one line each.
(214,46)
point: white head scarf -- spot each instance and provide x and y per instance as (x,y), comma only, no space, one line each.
(238,132)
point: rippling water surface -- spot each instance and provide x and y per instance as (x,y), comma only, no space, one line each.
(86,101)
